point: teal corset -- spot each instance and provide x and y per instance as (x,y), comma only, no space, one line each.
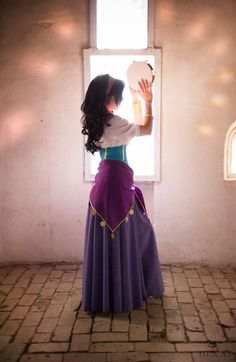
(114,153)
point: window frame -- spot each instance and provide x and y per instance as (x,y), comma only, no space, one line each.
(150,50)
(87,53)
(93,23)
(228,176)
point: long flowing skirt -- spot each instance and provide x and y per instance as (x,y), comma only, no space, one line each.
(122,271)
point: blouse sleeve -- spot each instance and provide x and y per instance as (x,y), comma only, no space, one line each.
(120,132)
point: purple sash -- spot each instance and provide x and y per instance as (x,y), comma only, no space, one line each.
(112,196)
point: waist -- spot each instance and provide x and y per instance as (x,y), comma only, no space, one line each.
(117,153)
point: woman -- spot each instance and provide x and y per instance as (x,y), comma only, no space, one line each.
(121,264)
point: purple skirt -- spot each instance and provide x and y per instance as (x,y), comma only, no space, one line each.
(121,267)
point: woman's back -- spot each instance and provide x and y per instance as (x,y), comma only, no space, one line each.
(121,264)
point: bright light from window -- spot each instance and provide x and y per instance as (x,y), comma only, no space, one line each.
(233,156)
(122,24)
(140,151)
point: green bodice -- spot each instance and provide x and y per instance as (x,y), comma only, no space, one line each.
(114,153)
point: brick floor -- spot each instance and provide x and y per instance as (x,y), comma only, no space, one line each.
(41,318)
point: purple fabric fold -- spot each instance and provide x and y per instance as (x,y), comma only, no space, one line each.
(120,273)
(112,196)
(121,269)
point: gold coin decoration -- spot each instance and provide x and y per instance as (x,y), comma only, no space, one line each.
(131,212)
(102,223)
(126,219)
(93,212)
(112,235)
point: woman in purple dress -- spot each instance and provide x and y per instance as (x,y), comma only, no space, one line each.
(121,264)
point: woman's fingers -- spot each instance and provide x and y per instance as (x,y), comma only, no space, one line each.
(144,85)
(145,90)
(141,85)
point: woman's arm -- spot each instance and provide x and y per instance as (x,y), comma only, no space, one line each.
(144,121)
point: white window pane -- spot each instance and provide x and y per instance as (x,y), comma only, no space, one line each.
(122,24)
(233,156)
(140,151)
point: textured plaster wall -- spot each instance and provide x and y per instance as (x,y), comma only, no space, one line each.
(43,197)
(195,209)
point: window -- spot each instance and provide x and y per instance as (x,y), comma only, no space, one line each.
(112,51)
(130,32)
(230,153)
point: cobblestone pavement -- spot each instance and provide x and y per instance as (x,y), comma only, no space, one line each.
(41,318)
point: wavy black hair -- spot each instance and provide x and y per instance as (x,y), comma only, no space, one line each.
(95,114)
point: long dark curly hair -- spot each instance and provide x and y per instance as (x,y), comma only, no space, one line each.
(95,114)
